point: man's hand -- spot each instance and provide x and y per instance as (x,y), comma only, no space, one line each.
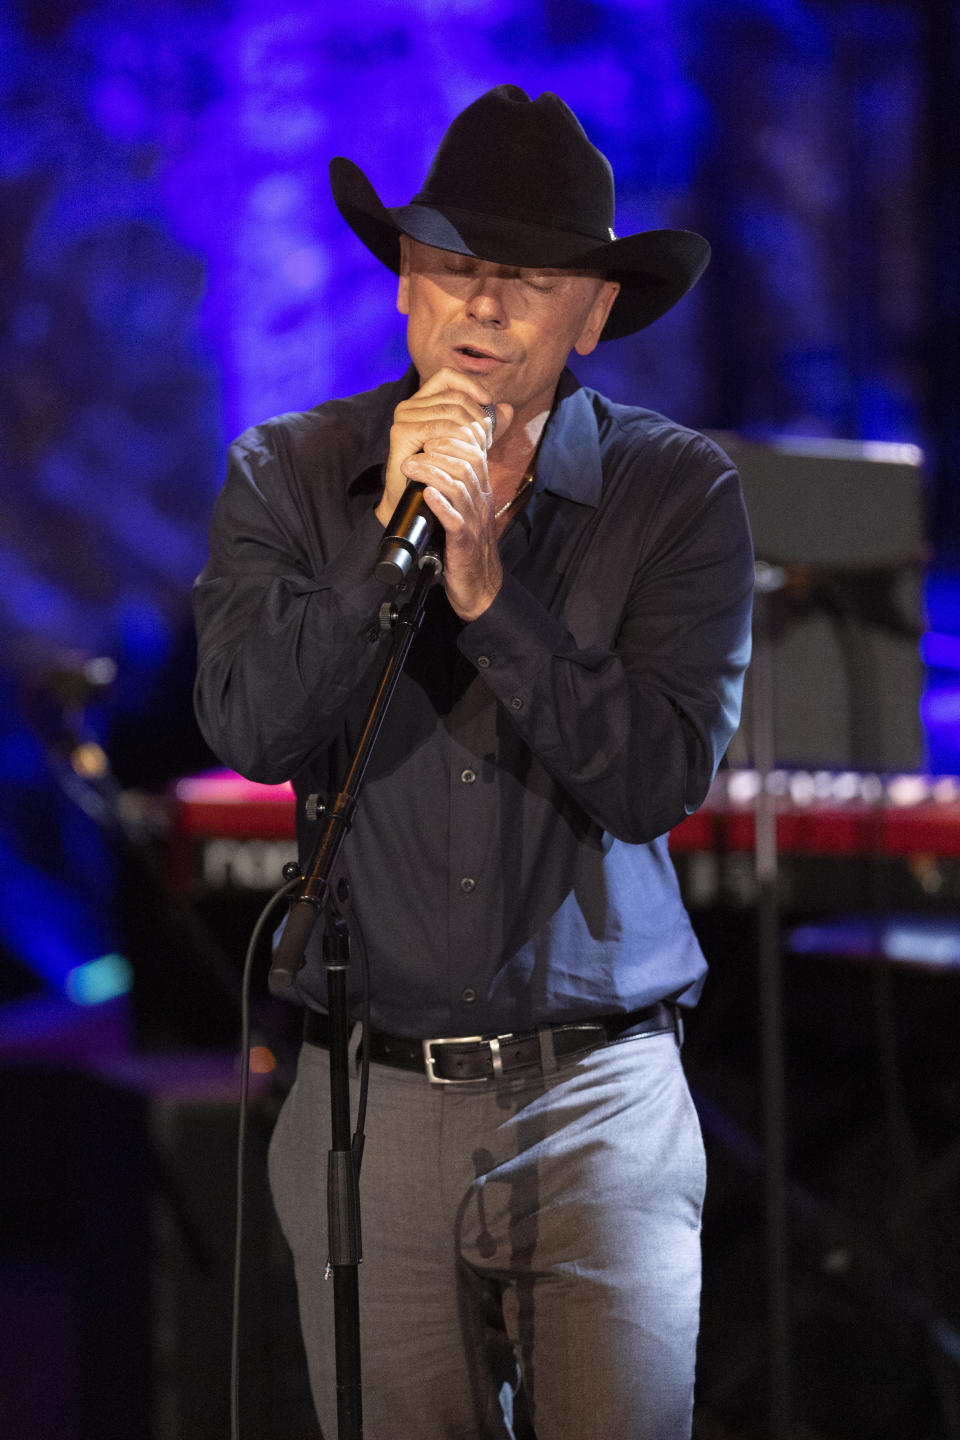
(440,437)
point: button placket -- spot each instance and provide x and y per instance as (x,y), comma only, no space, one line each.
(474,809)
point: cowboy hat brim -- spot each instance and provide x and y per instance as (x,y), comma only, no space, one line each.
(655,268)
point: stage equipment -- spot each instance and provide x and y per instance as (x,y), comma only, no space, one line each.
(116,1254)
(229,839)
(845,524)
(839,539)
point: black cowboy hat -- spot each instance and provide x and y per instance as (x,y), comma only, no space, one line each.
(516,181)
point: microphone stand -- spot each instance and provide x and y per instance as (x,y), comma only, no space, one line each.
(769,580)
(316,898)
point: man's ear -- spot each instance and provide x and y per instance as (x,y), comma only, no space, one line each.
(403,284)
(597,318)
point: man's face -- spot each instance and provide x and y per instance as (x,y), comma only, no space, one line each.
(511,328)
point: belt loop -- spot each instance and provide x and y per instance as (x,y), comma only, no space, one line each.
(548,1054)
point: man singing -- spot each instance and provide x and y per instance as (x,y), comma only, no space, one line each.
(532,1186)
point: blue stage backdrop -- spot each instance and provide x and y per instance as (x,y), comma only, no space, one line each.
(173,270)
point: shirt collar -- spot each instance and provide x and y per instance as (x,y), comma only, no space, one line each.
(569,459)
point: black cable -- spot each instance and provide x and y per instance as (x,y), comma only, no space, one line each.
(286,889)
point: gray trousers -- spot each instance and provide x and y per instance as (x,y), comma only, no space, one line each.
(531,1249)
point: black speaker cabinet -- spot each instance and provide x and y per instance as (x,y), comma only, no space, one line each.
(116,1259)
(193,1130)
(75,1263)
(843,524)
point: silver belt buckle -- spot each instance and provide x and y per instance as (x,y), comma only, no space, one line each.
(429,1060)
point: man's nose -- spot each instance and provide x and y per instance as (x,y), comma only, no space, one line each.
(487,301)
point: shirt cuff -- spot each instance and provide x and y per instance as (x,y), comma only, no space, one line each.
(350,572)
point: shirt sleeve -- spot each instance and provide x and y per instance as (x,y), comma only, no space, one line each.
(634,730)
(283,611)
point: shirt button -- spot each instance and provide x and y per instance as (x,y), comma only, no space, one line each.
(468,776)
(468,995)
(483,662)
(467,884)
(516,702)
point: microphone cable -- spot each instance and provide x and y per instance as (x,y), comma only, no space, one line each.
(285,889)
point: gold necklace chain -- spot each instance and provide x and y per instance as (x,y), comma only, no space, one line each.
(515,497)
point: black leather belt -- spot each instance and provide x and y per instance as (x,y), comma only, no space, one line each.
(447,1060)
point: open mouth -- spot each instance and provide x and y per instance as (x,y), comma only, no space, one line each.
(476,354)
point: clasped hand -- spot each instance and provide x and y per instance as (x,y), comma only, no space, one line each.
(440,437)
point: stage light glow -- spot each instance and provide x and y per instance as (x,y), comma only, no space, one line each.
(262,1060)
(940,650)
(89,761)
(97,981)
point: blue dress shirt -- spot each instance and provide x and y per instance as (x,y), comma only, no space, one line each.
(508,859)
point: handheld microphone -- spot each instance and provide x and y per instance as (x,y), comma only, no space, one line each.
(411,526)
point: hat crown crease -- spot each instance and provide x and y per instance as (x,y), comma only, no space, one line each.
(553,158)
